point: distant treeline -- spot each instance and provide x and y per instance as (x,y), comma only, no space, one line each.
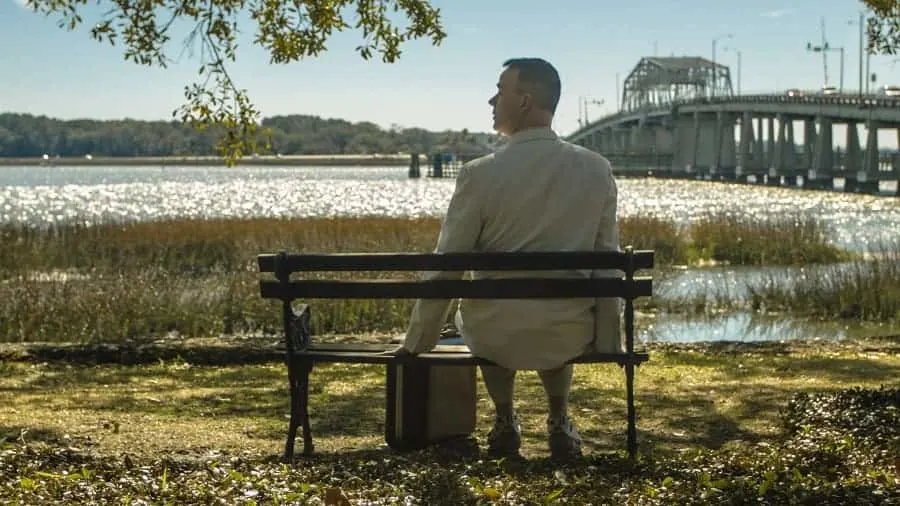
(25,135)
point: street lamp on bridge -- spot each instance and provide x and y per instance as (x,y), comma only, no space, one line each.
(583,103)
(738,52)
(618,95)
(712,91)
(862,47)
(824,48)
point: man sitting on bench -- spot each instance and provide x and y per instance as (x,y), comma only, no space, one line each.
(537,193)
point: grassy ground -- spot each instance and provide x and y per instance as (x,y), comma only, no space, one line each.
(165,429)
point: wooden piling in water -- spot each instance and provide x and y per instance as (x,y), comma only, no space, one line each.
(414,171)
(437,165)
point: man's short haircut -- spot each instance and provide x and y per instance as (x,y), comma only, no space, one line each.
(540,78)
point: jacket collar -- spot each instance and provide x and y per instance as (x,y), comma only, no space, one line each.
(532,134)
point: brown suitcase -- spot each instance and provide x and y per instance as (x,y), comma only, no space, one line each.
(426,404)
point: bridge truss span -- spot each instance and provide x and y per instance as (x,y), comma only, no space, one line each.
(658,82)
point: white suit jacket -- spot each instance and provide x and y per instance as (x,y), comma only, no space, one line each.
(537,193)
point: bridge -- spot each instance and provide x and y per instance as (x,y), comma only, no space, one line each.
(681,118)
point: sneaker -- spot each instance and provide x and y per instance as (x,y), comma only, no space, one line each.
(505,437)
(565,442)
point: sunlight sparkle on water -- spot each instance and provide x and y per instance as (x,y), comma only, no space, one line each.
(45,195)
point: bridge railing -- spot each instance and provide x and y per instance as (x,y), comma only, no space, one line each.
(880,101)
(845,99)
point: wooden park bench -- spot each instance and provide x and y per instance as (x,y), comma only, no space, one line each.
(302,353)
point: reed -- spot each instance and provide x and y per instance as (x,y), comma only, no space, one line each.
(670,242)
(108,282)
(113,309)
(199,247)
(862,289)
(780,240)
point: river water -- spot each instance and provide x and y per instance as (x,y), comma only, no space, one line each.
(47,195)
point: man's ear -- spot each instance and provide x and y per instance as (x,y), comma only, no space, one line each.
(526,101)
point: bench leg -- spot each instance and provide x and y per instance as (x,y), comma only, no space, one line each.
(632,429)
(298,378)
(304,408)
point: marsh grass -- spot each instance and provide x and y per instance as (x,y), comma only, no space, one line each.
(862,289)
(711,427)
(752,240)
(93,282)
(135,307)
(197,247)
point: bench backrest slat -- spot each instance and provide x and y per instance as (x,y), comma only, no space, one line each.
(518,288)
(494,261)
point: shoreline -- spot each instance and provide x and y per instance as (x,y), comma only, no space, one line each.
(374,160)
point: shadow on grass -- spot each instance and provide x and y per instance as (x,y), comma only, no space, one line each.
(144,351)
(683,399)
(160,373)
(345,400)
(23,435)
(838,369)
(662,420)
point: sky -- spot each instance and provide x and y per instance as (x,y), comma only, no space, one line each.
(594,44)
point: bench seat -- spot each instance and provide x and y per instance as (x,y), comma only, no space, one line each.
(442,354)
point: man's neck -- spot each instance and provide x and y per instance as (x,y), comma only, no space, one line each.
(532,126)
